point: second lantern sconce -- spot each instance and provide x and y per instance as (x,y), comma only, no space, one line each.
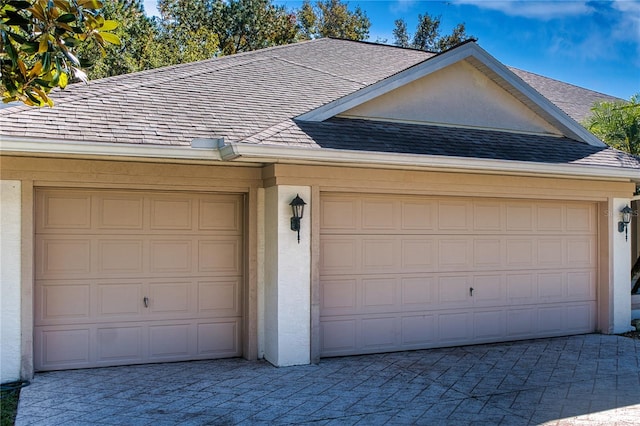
(297,207)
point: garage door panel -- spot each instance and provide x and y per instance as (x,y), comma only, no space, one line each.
(63,211)
(170,256)
(453,290)
(62,302)
(581,252)
(119,212)
(379,254)
(60,257)
(119,298)
(489,325)
(418,215)
(168,341)
(454,271)
(379,293)
(581,317)
(223,214)
(418,253)
(581,285)
(550,218)
(580,219)
(488,217)
(519,217)
(551,252)
(454,215)
(136,277)
(379,215)
(220,339)
(339,336)
(173,213)
(418,330)
(488,253)
(417,292)
(222,297)
(60,348)
(520,253)
(120,256)
(454,327)
(339,255)
(173,297)
(220,255)
(488,290)
(378,333)
(454,254)
(119,344)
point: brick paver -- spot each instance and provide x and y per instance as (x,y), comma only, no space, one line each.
(583,380)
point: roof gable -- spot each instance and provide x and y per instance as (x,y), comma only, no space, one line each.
(464,87)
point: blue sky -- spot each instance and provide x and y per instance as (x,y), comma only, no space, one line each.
(593,44)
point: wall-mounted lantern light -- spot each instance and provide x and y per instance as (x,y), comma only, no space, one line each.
(297,207)
(623,225)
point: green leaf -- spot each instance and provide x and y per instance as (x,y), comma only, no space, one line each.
(109,25)
(110,38)
(90,4)
(66,18)
(63,80)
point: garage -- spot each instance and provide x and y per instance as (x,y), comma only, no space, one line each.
(127,277)
(414,272)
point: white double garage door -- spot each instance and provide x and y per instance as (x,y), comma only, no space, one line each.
(126,277)
(401,272)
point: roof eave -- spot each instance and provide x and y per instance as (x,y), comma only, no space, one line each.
(250,154)
(274,154)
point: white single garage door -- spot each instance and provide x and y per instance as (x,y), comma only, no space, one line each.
(126,277)
(408,272)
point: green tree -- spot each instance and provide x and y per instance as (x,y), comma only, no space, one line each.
(332,18)
(255,24)
(428,35)
(199,29)
(38,39)
(136,52)
(617,124)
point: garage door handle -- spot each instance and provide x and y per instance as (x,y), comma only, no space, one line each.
(146,302)
(471,291)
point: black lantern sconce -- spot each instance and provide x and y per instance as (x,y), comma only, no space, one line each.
(297,207)
(623,225)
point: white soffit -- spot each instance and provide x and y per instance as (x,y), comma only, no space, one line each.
(482,61)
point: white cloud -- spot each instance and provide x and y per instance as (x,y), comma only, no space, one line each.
(401,6)
(543,10)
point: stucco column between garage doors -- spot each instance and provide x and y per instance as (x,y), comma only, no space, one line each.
(620,267)
(287,275)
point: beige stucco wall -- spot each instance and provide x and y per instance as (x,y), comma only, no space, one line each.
(287,279)
(457,95)
(273,257)
(10,280)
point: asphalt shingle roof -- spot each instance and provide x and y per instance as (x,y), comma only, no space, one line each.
(368,135)
(254,97)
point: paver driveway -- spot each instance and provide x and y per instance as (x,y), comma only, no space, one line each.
(589,379)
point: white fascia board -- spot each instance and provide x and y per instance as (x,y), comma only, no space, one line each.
(70,148)
(275,154)
(567,125)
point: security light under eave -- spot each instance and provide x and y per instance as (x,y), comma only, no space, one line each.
(623,225)
(297,208)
